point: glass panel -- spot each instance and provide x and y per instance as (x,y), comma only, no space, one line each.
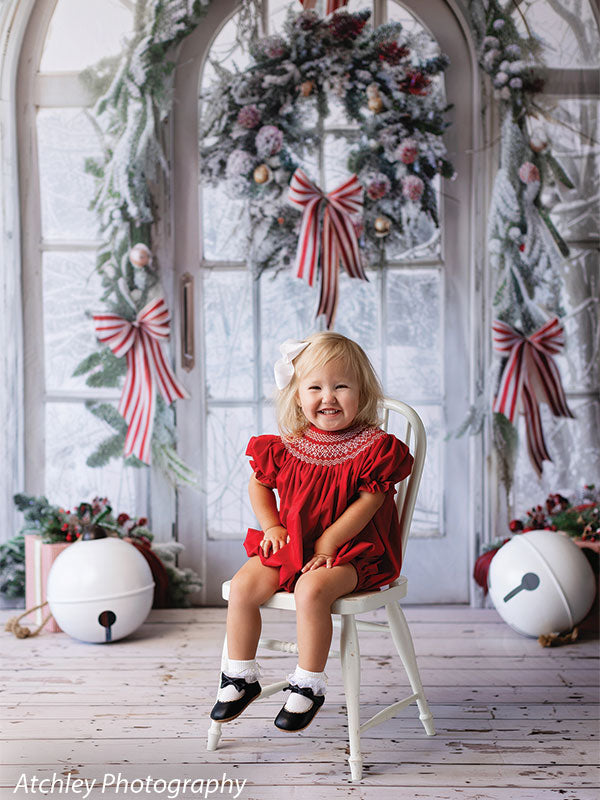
(575,456)
(223,225)
(81,33)
(413,335)
(228,334)
(229,512)
(287,312)
(66,138)
(72,433)
(572,127)
(566,29)
(226,51)
(580,363)
(71,288)
(358,313)
(427,519)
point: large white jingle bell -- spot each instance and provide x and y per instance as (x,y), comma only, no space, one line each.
(540,582)
(100,590)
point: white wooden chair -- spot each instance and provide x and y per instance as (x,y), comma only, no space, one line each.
(350,605)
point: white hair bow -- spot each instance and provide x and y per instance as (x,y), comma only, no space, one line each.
(284,367)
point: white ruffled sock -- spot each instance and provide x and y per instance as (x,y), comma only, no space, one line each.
(317,681)
(249,670)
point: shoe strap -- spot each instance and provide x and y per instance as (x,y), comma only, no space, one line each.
(239,683)
(303,690)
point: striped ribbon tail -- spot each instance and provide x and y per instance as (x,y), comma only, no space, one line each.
(339,241)
(141,342)
(531,376)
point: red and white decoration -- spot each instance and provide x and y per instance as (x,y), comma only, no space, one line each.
(338,240)
(529,377)
(141,342)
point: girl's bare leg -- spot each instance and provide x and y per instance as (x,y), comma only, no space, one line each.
(315,592)
(253,584)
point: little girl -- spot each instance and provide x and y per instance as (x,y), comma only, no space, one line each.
(336,530)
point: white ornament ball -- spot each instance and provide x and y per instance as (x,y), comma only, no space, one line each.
(100,590)
(541,583)
(140,255)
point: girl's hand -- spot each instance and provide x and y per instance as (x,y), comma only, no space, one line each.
(318,560)
(274,539)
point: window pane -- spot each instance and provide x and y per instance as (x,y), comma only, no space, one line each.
(413,340)
(66,138)
(573,128)
(228,334)
(226,51)
(358,313)
(567,30)
(428,516)
(81,33)
(229,512)
(72,434)
(288,305)
(223,225)
(575,456)
(70,288)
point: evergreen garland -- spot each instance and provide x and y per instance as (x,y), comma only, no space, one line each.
(524,248)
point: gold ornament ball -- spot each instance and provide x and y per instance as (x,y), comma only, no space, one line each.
(261,174)
(140,255)
(375,104)
(382,226)
(306,88)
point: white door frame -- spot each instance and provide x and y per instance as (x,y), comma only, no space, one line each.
(464,298)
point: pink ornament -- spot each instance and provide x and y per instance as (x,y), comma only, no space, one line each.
(269,140)
(378,186)
(529,173)
(407,151)
(248,117)
(140,255)
(412,188)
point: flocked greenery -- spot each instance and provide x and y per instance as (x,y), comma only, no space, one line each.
(56,524)
(270,116)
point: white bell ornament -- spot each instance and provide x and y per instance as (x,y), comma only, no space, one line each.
(100,589)
(540,582)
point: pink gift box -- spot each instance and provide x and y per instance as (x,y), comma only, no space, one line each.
(39,557)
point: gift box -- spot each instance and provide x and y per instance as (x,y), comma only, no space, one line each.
(39,557)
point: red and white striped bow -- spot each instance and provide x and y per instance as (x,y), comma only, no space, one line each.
(339,241)
(332,5)
(141,343)
(529,377)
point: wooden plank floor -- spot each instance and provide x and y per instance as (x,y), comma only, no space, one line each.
(514,721)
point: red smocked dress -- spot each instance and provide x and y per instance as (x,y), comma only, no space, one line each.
(317,476)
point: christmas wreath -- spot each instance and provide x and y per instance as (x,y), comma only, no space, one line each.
(258,124)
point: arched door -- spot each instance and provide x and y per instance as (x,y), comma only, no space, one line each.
(414,318)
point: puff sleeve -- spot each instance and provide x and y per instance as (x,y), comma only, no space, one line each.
(385,465)
(266,457)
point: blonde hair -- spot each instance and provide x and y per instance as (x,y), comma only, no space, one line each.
(323,348)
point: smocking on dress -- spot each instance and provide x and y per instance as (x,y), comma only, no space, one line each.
(317,476)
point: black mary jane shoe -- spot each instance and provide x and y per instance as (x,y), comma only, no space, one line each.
(226,711)
(293,721)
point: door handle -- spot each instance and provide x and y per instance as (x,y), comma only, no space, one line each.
(186,300)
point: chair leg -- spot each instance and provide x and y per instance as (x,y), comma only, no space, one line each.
(214,731)
(350,658)
(404,645)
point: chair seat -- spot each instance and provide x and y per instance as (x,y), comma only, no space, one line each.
(357,603)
